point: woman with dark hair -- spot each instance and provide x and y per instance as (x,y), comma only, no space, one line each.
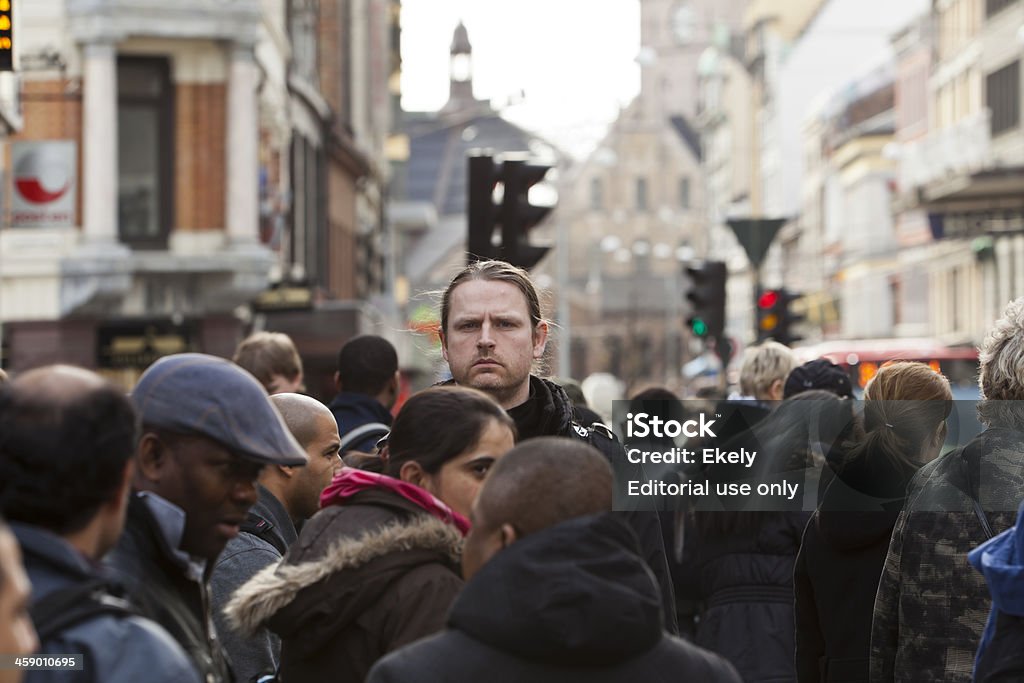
(844,547)
(377,567)
(746,556)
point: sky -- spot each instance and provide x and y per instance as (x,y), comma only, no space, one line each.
(574,64)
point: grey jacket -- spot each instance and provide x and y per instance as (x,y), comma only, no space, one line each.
(242,558)
(116,648)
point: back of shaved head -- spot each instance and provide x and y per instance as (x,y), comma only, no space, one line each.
(543,482)
(300,414)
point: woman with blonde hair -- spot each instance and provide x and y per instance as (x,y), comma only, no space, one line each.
(844,546)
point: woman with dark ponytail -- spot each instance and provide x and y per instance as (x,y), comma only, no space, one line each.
(845,543)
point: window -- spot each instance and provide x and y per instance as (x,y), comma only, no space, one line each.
(996,6)
(684,193)
(1002,95)
(596,194)
(308,257)
(145,110)
(641,194)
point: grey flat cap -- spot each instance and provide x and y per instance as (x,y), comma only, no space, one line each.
(193,393)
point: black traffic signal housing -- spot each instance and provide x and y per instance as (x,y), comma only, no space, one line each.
(775,316)
(516,215)
(706,295)
(7,35)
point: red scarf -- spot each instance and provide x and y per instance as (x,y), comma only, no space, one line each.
(351,481)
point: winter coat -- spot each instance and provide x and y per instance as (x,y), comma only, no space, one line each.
(838,567)
(117,648)
(352,410)
(161,585)
(574,602)
(242,558)
(747,586)
(931,605)
(1001,560)
(549,412)
(364,578)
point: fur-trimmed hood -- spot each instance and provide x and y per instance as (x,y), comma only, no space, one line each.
(336,586)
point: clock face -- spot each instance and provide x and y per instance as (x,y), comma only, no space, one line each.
(684,24)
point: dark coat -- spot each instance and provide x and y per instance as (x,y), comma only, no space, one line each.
(747,586)
(549,412)
(116,648)
(571,603)
(363,579)
(931,605)
(243,557)
(838,568)
(353,410)
(164,591)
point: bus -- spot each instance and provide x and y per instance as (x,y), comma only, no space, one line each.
(861,358)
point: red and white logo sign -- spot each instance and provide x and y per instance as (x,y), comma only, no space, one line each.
(44,183)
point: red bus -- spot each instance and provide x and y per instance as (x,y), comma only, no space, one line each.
(863,357)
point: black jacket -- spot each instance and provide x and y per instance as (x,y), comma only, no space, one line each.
(549,412)
(571,603)
(165,593)
(117,648)
(838,568)
(747,585)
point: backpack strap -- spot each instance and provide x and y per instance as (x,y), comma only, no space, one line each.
(361,432)
(61,609)
(263,529)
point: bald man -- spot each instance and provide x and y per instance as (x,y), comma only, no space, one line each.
(287,496)
(66,443)
(557,590)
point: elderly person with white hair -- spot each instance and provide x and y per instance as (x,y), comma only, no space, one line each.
(931,605)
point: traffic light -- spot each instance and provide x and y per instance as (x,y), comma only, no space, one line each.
(706,295)
(481,211)
(6,35)
(516,215)
(775,317)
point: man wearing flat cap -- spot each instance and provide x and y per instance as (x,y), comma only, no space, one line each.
(208,428)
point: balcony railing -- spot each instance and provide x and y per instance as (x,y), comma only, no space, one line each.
(962,148)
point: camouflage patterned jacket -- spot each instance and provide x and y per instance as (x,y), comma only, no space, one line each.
(931,605)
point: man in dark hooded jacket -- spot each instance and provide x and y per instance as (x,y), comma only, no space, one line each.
(367,382)
(491,334)
(557,590)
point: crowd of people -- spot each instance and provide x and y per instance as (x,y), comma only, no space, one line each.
(218,525)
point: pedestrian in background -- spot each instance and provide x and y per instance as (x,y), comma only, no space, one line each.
(67,438)
(377,567)
(271,357)
(367,381)
(931,605)
(208,428)
(556,590)
(844,546)
(287,497)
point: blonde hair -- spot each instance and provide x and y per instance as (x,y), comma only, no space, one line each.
(266,354)
(763,365)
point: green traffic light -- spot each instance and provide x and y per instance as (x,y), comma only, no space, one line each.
(700,328)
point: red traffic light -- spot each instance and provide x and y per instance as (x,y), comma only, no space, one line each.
(768,300)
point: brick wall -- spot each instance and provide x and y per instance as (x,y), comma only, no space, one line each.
(199,173)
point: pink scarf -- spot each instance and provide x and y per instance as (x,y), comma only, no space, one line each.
(351,481)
